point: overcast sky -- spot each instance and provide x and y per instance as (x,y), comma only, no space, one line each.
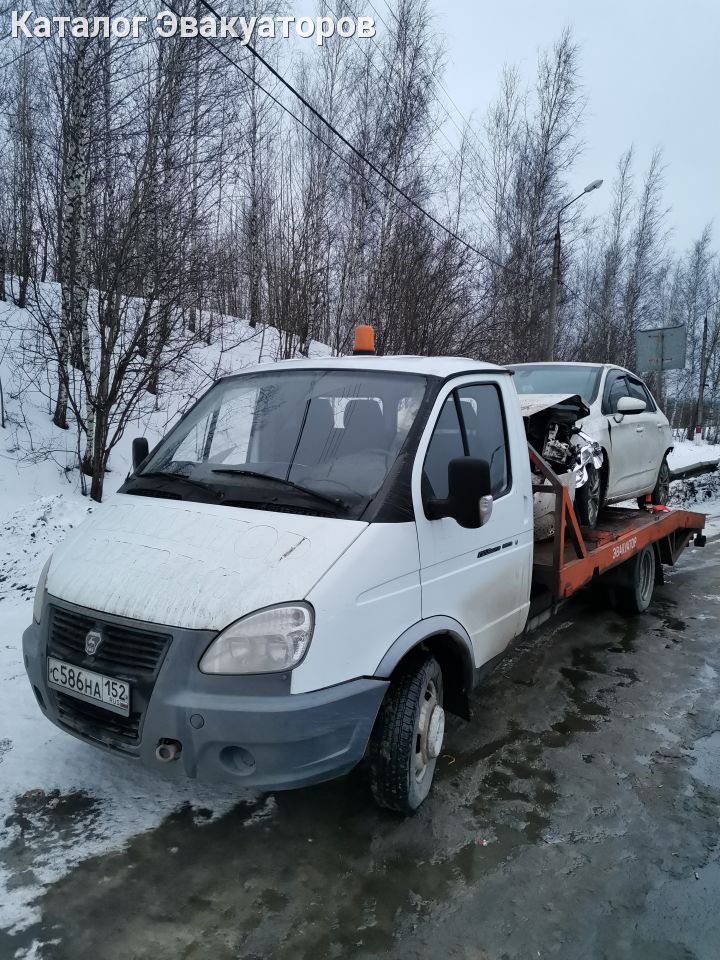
(651,70)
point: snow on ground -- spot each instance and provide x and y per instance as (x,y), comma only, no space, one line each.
(44,773)
(697,493)
(687,453)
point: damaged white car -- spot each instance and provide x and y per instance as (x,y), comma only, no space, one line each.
(551,424)
(600,427)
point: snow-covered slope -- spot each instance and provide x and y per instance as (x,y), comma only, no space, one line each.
(44,772)
(37,459)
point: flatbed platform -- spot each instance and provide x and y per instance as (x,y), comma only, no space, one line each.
(619,535)
(575,556)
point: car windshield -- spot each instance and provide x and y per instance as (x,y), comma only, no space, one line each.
(569,379)
(329,436)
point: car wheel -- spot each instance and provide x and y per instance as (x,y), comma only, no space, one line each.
(661,492)
(408,737)
(587,498)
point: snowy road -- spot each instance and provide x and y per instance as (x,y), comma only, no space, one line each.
(575,816)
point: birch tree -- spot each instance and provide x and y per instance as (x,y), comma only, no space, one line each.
(74,338)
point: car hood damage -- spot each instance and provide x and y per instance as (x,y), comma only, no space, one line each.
(553,427)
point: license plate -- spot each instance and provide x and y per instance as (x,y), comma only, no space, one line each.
(107,692)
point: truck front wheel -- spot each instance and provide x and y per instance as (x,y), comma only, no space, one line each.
(408,736)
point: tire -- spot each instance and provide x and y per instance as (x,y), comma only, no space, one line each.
(588,497)
(661,491)
(637,582)
(408,736)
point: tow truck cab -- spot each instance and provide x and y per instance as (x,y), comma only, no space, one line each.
(312,540)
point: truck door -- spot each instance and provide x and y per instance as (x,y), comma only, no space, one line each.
(478,577)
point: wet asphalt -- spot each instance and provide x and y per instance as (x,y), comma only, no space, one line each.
(576,816)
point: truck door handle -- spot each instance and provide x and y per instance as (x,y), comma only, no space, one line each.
(639,429)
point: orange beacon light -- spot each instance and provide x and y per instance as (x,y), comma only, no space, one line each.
(364,343)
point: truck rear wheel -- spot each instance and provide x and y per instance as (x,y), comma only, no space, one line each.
(408,736)
(634,592)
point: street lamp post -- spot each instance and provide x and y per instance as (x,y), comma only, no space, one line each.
(703,377)
(555,276)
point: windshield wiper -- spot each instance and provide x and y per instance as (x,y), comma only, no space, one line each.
(240,472)
(183,477)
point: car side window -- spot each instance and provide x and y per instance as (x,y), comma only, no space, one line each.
(638,389)
(446,444)
(486,432)
(615,388)
(481,433)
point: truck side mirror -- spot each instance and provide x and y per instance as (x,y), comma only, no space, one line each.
(469,499)
(140,450)
(630,405)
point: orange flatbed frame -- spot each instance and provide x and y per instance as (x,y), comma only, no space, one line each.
(576,555)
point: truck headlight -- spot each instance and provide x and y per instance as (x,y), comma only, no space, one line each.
(269,641)
(40,592)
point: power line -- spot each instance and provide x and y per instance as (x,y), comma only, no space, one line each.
(467,134)
(480,147)
(482,150)
(327,145)
(316,113)
(453,161)
(391,67)
(343,139)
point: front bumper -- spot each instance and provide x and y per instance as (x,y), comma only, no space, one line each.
(251,730)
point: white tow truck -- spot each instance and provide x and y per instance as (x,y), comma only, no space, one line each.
(317,561)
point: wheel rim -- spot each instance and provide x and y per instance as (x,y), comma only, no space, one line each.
(646,575)
(429,732)
(664,483)
(593,496)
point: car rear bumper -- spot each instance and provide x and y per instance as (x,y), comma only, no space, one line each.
(251,730)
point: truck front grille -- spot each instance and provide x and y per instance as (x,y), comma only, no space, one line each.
(125,652)
(122,647)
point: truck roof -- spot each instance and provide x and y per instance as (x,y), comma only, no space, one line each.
(436,366)
(568,363)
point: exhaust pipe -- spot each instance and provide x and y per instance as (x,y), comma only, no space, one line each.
(168,750)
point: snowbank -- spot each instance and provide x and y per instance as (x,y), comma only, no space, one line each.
(687,453)
(701,494)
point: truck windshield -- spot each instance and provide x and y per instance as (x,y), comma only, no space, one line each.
(567,378)
(325,438)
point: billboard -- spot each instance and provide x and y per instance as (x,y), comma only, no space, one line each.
(660,349)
